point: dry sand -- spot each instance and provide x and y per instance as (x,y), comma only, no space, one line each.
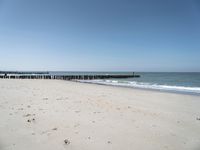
(41,114)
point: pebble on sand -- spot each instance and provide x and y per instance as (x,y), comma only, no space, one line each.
(55,129)
(29,120)
(66,141)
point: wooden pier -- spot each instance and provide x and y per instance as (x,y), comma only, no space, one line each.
(45,75)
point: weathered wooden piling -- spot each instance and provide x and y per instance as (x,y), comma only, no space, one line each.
(45,75)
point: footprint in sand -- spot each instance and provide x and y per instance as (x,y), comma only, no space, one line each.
(20,108)
(78,111)
(27,115)
(118,108)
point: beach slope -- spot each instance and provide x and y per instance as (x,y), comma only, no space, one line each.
(59,115)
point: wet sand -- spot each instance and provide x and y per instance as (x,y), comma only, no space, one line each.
(59,115)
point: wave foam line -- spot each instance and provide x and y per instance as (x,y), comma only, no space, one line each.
(145,85)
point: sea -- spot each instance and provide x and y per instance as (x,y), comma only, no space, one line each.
(181,82)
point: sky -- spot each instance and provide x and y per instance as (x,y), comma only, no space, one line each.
(100,35)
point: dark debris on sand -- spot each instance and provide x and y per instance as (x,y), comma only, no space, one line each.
(66,141)
(55,129)
(30,120)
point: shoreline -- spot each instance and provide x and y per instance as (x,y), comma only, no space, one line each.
(122,86)
(145,89)
(57,114)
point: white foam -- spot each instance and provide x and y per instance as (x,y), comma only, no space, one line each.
(146,85)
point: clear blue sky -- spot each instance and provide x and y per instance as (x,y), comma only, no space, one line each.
(100,35)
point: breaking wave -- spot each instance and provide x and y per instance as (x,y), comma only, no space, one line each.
(145,85)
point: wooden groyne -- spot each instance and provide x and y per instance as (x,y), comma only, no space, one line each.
(23,72)
(65,77)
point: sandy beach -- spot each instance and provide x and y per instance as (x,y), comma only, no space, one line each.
(60,115)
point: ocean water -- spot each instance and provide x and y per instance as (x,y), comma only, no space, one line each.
(165,81)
